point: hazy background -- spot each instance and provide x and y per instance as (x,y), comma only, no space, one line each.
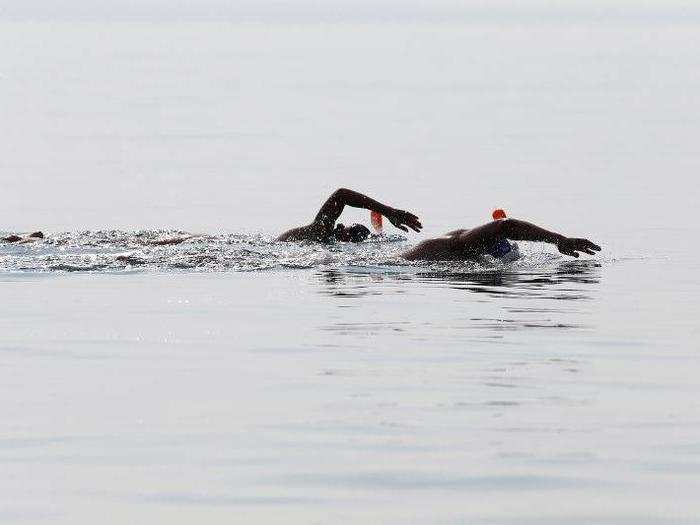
(243,116)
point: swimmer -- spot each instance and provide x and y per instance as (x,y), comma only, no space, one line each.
(32,237)
(324,229)
(492,239)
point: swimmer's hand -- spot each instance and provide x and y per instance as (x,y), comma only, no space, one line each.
(571,246)
(401,219)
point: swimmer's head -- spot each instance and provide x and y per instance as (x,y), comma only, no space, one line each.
(355,233)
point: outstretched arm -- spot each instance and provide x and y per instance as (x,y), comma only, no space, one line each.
(518,230)
(333,208)
(525,231)
(477,240)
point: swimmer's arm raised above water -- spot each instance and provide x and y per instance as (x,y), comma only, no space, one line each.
(463,244)
(483,237)
(324,222)
(516,230)
(333,208)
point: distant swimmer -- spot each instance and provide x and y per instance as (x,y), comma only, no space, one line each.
(493,239)
(32,237)
(324,227)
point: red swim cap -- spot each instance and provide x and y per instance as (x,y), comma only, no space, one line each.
(376,218)
(498,214)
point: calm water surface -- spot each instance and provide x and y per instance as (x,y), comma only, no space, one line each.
(348,391)
(235,379)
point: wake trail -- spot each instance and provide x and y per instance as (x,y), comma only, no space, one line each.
(116,251)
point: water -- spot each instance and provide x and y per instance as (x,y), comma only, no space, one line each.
(232,377)
(340,384)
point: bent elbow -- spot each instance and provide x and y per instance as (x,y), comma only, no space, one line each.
(341,192)
(338,194)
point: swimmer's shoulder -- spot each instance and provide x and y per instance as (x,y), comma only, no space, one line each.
(312,232)
(436,249)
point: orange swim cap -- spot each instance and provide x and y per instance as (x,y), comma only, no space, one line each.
(498,214)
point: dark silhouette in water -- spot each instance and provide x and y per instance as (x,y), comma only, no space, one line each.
(324,229)
(491,238)
(466,244)
(29,238)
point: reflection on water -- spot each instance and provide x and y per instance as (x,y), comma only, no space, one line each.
(538,291)
(555,297)
(525,284)
(568,280)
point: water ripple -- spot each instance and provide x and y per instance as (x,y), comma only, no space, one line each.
(174,250)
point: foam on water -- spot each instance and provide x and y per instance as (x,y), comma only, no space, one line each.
(175,250)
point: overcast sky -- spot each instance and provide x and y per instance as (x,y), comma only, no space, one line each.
(339,10)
